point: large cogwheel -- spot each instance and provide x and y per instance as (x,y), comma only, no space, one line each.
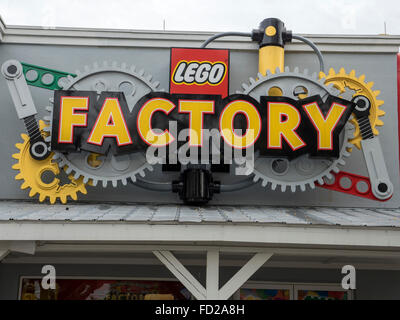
(302,171)
(343,82)
(32,172)
(107,168)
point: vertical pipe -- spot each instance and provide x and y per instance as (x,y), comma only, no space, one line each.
(272,41)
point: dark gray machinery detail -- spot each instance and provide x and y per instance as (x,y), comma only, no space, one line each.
(196,186)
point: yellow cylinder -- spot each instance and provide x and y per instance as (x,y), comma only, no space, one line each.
(270,58)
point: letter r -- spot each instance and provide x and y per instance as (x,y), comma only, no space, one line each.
(279,128)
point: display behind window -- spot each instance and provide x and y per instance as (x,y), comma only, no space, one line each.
(103,289)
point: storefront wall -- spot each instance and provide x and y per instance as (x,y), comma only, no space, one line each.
(376,60)
(371,284)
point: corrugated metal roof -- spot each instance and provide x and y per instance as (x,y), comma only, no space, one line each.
(27,211)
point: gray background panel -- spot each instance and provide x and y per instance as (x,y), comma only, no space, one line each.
(378,67)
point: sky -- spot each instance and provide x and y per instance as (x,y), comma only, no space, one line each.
(300,16)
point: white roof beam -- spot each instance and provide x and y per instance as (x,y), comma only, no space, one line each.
(276,234)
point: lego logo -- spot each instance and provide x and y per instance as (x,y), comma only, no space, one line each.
(200,73)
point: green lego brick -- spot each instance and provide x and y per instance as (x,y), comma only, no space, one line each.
(39,79)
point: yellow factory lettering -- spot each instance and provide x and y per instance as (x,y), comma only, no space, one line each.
(69,119)
(275,126)
(283,120)
(110,123)
(196,110)
(253,124)
(324,125)
(144,122)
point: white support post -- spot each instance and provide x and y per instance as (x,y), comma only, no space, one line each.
(212,276)
(212,291)
(181,273)
(243,275)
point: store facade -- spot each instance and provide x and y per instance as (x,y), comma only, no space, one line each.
(123,229)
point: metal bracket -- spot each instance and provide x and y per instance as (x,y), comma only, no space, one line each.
(20,94)
(382,188)
(379,186)
(13,73)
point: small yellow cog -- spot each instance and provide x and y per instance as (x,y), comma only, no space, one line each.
(343,81)
(31,171)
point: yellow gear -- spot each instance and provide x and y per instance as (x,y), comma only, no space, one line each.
(343,81)
(31,171)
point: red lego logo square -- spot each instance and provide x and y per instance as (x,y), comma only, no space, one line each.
(199,71)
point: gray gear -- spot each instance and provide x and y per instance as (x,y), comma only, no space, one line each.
(302,171)
(107,168)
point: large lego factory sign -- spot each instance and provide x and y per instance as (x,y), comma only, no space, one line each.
(111,123)
(278,126)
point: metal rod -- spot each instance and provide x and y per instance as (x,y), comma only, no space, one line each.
(225,34)
(315,48)
(153,186)
(246,183)
(167,186)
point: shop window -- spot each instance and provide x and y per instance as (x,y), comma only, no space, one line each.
(264,294)
(290,291)
(103,289)
(265,291)
(320,292)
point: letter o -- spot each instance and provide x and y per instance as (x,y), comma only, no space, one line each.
(253,124)
(217,73)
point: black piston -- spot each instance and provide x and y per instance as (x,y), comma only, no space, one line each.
(196,186)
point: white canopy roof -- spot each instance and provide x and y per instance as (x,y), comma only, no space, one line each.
(248,225)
